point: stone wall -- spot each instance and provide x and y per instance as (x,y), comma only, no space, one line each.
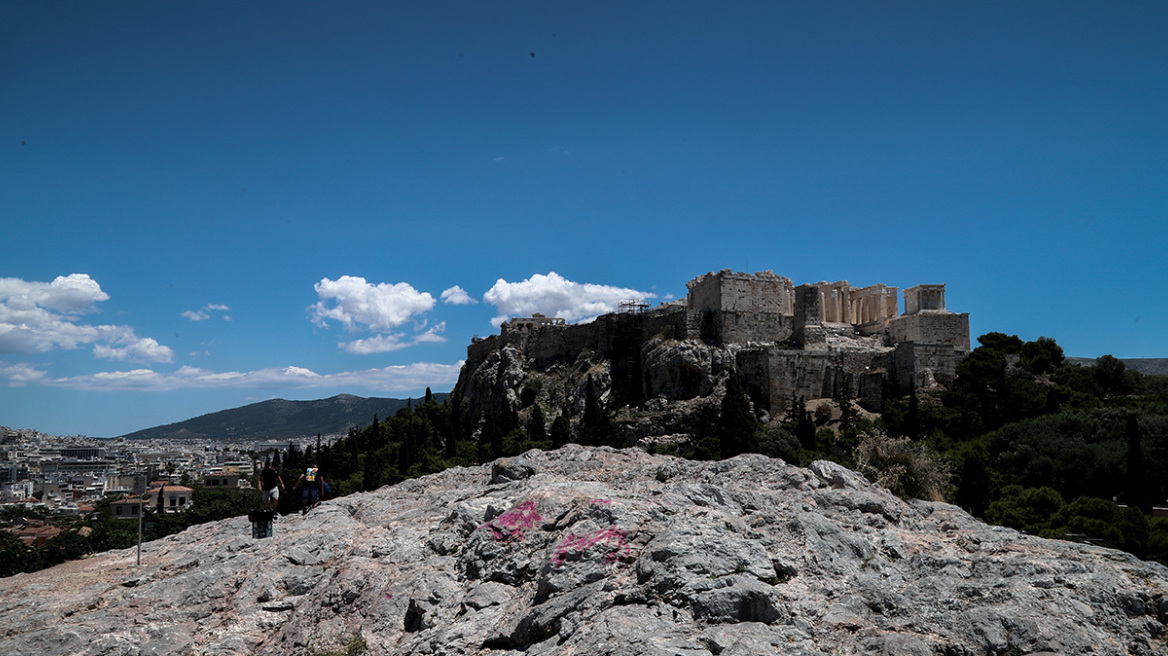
(741,307)
(552,344)
(924,366)
(773,375)
(808,328)
(931,328)
(669,321)
(746,327)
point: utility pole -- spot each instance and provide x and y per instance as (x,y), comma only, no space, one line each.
(140,495)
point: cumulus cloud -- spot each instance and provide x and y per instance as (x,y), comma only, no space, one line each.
(457,296)
(556,296)
(205,312)
(71,294)
(37,317)
(144,349)
(386,379)
(359,305)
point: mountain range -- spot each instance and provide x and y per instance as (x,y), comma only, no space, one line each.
(1146,366)
(281,419)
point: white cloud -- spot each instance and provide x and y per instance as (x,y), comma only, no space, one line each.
(360,305)
(37,317)
(457,296)
(377,344)
(205,313)
(432,336)
(20,374)
(386,379)
(72,294)
(394,342)
(556,296)
(144,349)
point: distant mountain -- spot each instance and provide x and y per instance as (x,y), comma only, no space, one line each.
(280,419)
(1149,366)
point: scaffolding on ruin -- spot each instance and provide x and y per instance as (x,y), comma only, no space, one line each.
(632,306)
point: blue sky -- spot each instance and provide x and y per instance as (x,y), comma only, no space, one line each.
(208,204)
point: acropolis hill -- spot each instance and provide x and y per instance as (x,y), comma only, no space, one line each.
(808,341)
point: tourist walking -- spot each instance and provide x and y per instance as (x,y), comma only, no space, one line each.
(312,488)
(270,484)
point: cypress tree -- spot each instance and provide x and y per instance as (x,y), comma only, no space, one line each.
(736,423)
(536,428)
(561,430)
(1137,488)
(595,429)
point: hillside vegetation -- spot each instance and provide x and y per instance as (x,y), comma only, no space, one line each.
(1023,438)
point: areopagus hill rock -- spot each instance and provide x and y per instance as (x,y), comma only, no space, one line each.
(600,551)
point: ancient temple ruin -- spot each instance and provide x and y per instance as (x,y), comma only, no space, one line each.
(814,340)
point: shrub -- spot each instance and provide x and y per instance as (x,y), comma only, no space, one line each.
(908,469)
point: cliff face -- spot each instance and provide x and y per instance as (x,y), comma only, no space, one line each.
(596,551)
(666,381)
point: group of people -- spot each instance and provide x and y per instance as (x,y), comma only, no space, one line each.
(311,484)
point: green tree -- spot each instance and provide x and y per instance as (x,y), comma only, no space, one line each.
(499,421)
(15,556)
(974,481)
(1136,477)
(595,427)
(537,428)
(1042,356)
(561,430)
(776,442)
(1089,518)
(802,425)
(1025,509)
(68,545)
(1109,373)
(736,422)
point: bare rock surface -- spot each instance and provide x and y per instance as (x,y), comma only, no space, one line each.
(600,551)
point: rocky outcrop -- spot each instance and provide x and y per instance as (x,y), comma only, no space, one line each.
(684,370)
(599,551)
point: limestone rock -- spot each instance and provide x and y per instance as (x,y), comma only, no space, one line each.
(683,370)
(593,551)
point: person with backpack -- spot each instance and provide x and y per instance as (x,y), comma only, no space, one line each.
(312,488)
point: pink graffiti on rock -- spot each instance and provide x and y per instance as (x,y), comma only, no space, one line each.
(613,542)
(510,525)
